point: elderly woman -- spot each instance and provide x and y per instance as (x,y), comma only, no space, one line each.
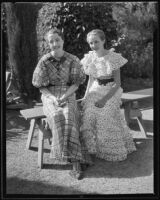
(58,75)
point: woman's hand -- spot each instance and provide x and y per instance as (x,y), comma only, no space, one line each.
(81,101)
(57,101)
(54,100)
(100,103)
(61,101)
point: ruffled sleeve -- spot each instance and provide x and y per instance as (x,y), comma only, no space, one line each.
(86,61)
(40,75)
(77,75)
(116,61)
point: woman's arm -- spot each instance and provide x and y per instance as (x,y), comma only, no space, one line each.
(68,93)
(77,77)
(40,79)
(90,81)
(48,94)
(115,87)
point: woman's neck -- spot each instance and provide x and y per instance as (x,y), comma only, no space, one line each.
(57,55)
(101,52)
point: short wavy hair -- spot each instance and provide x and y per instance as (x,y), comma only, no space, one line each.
(53,31)
(98,32)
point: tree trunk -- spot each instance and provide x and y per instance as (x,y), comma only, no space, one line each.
(22,44)
(13,33)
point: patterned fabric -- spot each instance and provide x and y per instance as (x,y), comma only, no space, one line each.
(55,77)
(104,129)
(49,71)
(102,66)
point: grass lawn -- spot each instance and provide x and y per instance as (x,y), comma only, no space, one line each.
(132,176)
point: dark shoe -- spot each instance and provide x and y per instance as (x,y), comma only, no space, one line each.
(76,174)
(84,166)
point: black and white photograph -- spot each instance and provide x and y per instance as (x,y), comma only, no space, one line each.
(78,100)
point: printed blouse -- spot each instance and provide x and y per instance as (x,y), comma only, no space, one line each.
(66,71)
(102,66)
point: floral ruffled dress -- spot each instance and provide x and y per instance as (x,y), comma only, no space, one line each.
(104,129)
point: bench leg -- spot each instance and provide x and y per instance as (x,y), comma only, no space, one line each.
(43,133)
(40,149)
(46,130)
(141,125)
(135,112)
(127,107)
(49,141)
(31,132)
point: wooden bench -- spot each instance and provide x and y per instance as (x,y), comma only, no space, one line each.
(131,106)
(37,118)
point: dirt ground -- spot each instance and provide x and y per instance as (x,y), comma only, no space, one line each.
(132,176)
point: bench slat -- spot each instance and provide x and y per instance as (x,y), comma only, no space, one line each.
(137,95)
(37,112)
(33,113)
(148,91)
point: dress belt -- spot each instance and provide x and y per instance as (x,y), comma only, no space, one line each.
(104,81)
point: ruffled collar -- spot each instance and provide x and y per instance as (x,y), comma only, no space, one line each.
(99,65)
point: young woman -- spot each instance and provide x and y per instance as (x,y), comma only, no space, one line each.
(104,128)
(58,75)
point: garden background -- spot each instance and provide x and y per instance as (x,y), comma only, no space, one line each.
(130,28)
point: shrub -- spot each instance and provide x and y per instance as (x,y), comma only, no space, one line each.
(136,22)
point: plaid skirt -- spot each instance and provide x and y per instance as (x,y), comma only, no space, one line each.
(67,142)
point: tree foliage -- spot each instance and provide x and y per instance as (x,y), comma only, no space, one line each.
(75,20)
(137,22)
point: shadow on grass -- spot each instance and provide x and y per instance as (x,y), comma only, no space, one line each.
(14,135)
(148,124)
(15,120)
(138,163)
(57,166)
(16,125)
(50,163)
(36,149)
(16,185)
(146,104)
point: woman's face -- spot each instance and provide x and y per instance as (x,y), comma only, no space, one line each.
(95,42)
(55,42)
